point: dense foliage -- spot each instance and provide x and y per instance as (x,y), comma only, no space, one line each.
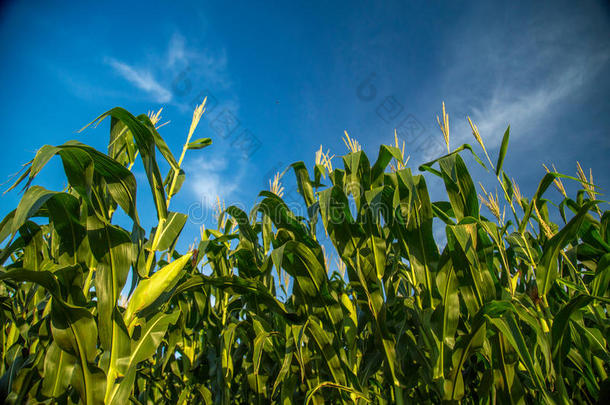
(497,311)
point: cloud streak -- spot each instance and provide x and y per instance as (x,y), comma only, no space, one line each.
(519,74)
(213,177)
(184,69)
(142,79)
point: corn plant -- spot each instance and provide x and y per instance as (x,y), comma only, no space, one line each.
(499,311)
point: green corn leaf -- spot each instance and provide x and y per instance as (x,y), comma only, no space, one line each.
(74,330)
(114,252)
(465,346)
(159,142)
(6,225)
(171,230)
(428,166)
(448,286)
(460,188)
(64,213)
(169,179)
(546,268)
(145,143)
(30,203)
(385,156)
(304,184)
(503,150)
(601,281)
(332,359)
(58,368)
(150,337)
(200,143)
(353,392)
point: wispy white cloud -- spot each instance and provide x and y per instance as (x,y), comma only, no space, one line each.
(518,74)
(179,73)
(142,79)
(527,108)
(214,177)
(176,51)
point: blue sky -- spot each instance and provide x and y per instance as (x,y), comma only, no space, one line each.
(296,76)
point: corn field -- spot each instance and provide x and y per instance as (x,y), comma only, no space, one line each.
(509,306)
